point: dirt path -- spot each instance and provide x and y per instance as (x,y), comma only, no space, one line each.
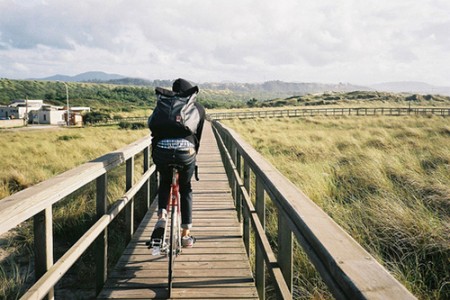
(33,127)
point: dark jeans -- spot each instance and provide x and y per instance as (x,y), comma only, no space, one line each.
(186,159)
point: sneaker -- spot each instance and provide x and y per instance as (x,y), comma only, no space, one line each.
(187,241)
(158,231)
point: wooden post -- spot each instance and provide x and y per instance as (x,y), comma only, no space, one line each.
(246,228)
(101,244)
(153,185)
(146,187)
(247,178)
(260,270)
(238,163)
(129,210)
(285,253)
(238,195)
(234,182)
(43,243)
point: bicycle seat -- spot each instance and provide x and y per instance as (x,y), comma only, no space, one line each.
(176,166)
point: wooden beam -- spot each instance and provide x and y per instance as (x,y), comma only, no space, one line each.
(101,244)
(43,245)
(129,210)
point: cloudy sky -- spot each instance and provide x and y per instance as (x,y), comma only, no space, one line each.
(328,41)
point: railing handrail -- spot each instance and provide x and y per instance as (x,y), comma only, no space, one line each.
(23,205)
(304,112)
(349,271)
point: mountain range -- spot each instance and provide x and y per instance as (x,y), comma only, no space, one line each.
(273,87)
(84,77)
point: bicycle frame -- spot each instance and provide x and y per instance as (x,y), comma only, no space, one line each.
(173,206)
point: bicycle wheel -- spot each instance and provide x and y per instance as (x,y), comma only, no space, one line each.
(173,245)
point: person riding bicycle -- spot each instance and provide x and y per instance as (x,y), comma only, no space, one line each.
(176,146)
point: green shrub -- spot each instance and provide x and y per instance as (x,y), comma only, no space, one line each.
(132,125)
(69,137)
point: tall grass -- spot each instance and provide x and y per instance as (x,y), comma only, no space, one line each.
(385,180)
(29,157)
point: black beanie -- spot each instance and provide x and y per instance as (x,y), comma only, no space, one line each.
(180,85)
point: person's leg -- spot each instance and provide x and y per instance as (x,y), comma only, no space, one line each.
(165,180)
(163,197)
(186,197)
(187,159)
(162,158)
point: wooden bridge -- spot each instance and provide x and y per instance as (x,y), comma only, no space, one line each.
(230,205)
(217,265)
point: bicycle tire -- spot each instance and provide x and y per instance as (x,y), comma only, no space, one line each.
(172,247)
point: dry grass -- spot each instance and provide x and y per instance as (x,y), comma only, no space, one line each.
(29,157)
(385,180)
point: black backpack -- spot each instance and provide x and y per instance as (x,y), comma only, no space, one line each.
(175,111)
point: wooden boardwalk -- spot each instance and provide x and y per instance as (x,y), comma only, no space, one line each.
(215,268)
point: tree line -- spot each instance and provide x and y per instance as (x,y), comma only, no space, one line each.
(96,96)
(102,96)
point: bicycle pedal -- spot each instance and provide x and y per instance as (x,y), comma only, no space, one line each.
(156,243)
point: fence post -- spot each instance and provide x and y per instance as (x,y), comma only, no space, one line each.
(146,186)
(260,270)
(101,244)
(237,189)
(234,186)
(129,209)
(285,253)
(247,178)
(43,243)
(153,185)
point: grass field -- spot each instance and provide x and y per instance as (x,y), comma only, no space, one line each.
(385,180)
(32,156)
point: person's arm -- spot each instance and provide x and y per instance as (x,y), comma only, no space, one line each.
(198,135)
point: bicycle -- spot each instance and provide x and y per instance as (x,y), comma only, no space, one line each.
(170,247)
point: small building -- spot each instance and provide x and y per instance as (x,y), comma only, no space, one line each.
(48,114)
(37,112)
(19,108)
(76,114)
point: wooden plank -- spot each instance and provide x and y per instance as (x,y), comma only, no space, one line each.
(184,282)
(197,293)
(194,273)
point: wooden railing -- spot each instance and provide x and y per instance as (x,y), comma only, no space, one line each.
(36,202)
(308,112)
(349,271)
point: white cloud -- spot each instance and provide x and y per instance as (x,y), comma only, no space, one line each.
(245,40)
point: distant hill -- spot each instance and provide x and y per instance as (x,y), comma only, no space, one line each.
(277,86)
(413,87)
(94,76)
(268,89)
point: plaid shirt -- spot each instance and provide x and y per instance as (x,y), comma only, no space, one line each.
(178,144)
